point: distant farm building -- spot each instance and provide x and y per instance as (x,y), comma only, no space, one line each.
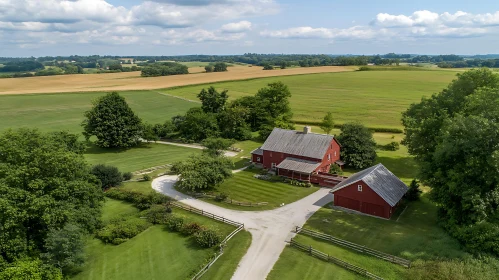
(303,156)
(373,191)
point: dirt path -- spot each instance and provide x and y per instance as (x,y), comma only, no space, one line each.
(269,229)
(133,80)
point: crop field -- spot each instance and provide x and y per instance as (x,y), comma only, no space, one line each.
(376,98)
(133,80)
(49,112)
(156,252)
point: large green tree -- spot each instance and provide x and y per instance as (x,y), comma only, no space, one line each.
(233,123)
(212,100)
(358,148)
(113,122)
(202,172)
(454,135)
(197,125)
(65,248)
(217,146)
(45,184)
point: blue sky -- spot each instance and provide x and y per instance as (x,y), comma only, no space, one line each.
(174,27)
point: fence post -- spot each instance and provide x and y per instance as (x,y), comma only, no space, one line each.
(223,219)
(202,212)
(296,229)
(310,249)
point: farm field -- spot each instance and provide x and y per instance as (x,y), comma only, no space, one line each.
(415,236)
(51,112)
(133,81)
(157,252)
(377,98)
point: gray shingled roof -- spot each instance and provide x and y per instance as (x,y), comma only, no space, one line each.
(380,180)
(298,143)
(257,152)
(300,165)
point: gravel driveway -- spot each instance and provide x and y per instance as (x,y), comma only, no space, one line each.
(269,229)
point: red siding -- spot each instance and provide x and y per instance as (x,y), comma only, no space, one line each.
(366,201)
(331,156)
(257,159)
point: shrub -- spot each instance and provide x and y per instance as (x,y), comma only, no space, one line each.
(146,177)
(414,192)
(335,170)
(158,214)
(209,68)
(268,67)
(221,197)
(393,146)
(120,231)
(175,223)
(127,176)
(109,176)
(191,228)
(208,238)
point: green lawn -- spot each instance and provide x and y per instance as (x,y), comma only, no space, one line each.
(54,112)
(377,98)
(415,236)
(157,253)
(115,208)
(138,158)
(244,187)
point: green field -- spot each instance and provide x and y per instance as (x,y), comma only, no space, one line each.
(50,112)
(376,98)
(138,158)
(245,188)
(157,253)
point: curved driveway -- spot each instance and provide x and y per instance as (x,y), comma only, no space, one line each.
(269,229)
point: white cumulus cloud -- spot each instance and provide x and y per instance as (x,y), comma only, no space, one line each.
(236,27)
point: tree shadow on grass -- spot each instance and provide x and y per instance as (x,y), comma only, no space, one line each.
(93,149)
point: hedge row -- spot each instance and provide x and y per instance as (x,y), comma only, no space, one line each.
(204,236)
(375,129)
(119,231)
(139,200)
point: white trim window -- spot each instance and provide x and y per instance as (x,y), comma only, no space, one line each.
(258,159)
(359,188)
(329,157)
(273,165)
(334,153)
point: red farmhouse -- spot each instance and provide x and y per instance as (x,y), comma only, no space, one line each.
(374,191)
(299,155)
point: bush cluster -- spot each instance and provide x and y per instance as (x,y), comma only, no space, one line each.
(221,197)
(174,222)
(139,200)
(189,229)
(127,176)
(298,183)
(158,214)
(208,238)
(164,69)
(392,146)
(120,231)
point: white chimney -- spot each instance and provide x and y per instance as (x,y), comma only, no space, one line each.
(307,129)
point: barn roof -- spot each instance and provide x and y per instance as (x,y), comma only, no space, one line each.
(292,142)
(257,152)
(300,165)
(380,180)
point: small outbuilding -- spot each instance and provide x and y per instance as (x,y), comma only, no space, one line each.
(374,191)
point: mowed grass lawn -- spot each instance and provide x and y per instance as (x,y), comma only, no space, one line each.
(138,158)
(157,253)
(64,111)
(245,188)
(376,98)
(415,236)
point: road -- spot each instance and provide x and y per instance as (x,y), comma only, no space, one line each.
(269,229)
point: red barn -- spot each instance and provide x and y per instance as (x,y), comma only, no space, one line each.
(374,191)
(297,155)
